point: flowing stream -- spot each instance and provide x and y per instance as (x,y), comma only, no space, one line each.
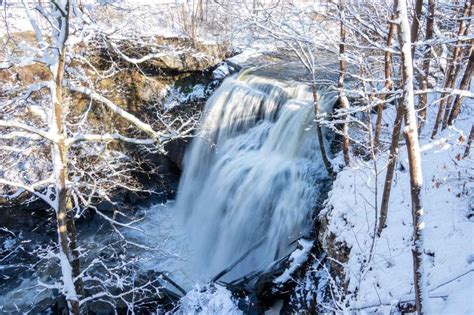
(252,177)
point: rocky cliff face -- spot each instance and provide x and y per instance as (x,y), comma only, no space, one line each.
(176,54)
(148,77)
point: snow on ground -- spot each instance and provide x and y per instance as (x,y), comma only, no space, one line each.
(242,58)
(210,299)
(379,282)
(143,17)
(16,17)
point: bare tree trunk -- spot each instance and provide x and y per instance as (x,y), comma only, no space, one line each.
(395,133)
(60,153)
(449,101)
(465,82)
(423,98)
(469,142)
(73,245)
(392,159)
(201,11)
(414,158)
(319,132)
(451,73)
(193,22)
(388,82)
(60,161)
(458,68)
(343,101)
(415,25)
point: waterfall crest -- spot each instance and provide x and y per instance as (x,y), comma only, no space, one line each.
(251,176)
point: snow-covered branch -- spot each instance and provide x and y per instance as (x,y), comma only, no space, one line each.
(29,129)
(107,137)
(33,189)
(156,136)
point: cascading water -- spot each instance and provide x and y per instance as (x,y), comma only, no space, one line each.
(252,176)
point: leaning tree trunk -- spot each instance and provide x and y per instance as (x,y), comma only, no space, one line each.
(453,68)
(388,82)
(414,158)
(343,101)
(392,160)
(319,131)
(423,99)
(465,83)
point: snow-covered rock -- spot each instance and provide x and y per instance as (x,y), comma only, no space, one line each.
(209,300)
(221,71)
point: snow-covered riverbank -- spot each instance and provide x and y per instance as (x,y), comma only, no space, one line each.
(380,274)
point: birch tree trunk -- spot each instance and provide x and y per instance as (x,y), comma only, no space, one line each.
(343,101)
(414,158)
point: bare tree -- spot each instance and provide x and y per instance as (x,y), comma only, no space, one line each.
(394,145)
(388,85)
(343,101)
(56,144)
(414,158)
(454,67)
(464,85)
(422,105)
(392,159)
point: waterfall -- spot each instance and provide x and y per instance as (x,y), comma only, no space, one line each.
(251,176)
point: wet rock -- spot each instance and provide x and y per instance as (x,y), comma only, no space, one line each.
(176,150)
(336,251)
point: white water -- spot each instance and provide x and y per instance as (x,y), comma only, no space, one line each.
(252,175)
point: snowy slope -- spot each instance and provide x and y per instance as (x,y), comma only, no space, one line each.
(379,282)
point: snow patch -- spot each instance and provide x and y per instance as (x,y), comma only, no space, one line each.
(242,58)
(9,243)
(221,72)
(297,258)
(176,96)
(209,299)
